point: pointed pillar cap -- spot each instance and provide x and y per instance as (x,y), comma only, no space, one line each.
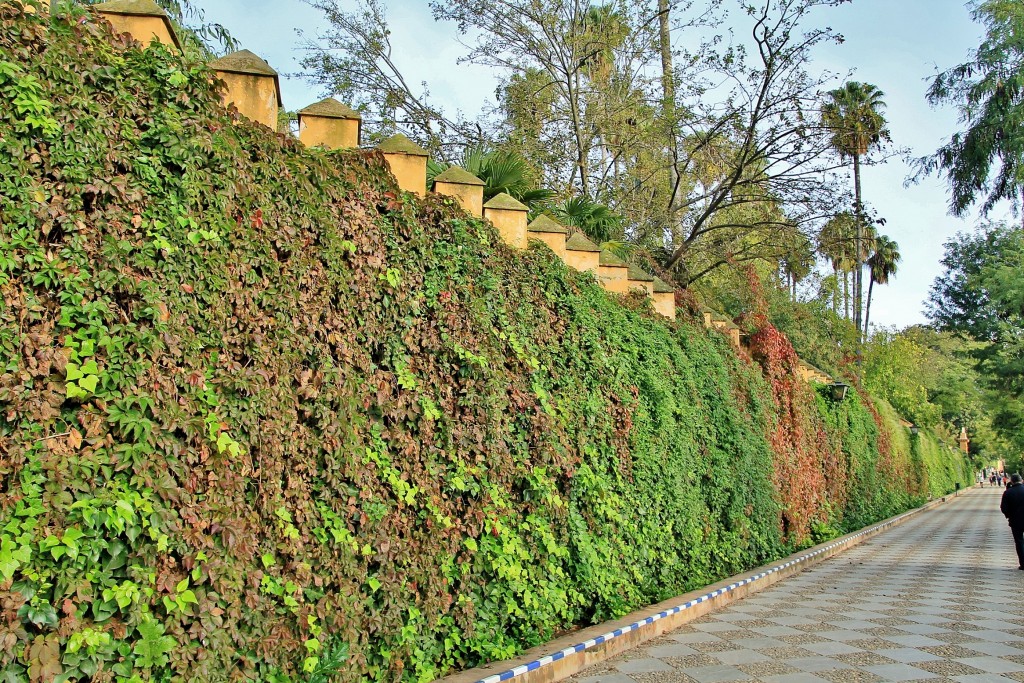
(637,274)
(543,223)
(662,287)
(331,108)
(399,144)
(580,242)
(248,64)
(456,175)
(139,8)
(506,202)
(609,259)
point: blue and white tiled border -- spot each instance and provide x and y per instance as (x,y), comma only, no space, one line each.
(611,635)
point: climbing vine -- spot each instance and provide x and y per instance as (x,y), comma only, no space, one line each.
(265,416)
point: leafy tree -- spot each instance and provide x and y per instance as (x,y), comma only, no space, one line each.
(754,146)
(968,297)
(853,115)
(882,265)
(985,162)
(981,295)
(352,59)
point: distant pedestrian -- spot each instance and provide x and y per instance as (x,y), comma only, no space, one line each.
(1012,507)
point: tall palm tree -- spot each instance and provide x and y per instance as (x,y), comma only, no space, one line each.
(853,114)
(882,265)
(835,242)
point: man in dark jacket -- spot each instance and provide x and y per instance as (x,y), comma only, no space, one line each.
(1012,507)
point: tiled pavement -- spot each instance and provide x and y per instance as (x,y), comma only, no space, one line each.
(938,599)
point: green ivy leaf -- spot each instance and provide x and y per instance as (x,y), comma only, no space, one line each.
(152,649)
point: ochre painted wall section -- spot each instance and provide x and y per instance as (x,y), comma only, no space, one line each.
(470,197)
(665,303)
(643,286)
(583,261)
(142,29)
(511,225)
(410,170)
(554,240)
(254,96)
(328,132)
(614,278)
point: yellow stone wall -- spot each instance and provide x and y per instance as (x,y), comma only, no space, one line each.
(614,278)
(555,240)
(642,285)
(665,303)
(583,261)
(144,29)
(254,96)
(410,171)
(331,133)
(511,225)
(734,337)
(470,197)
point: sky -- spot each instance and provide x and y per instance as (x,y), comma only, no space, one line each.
(894,44)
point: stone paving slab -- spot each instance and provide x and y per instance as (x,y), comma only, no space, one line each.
(936,599)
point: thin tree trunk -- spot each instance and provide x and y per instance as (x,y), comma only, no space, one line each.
(846,295)
(578,133)
(859,220)
(668,107)
(867,308)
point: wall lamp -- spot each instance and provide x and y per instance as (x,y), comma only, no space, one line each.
(838,390)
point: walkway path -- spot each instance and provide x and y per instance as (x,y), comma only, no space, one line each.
(938,599)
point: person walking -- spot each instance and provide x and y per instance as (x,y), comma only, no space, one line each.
(1012,507)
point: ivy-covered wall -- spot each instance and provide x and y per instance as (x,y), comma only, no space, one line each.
(264,416)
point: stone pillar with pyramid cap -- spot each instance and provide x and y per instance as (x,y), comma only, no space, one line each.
(549,232)
(465,187)
(664,298)
(509,217)
(964,441)
(613,272)
(252,86)
(330,124)
(640,280)
(144,20)
(408,163)
(582,254)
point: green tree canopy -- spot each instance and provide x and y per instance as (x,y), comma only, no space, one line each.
(985,161)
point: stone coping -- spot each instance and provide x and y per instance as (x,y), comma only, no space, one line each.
(506,202)
(143,8)
(662,287)
(399,144)
(639,275)
(580,242)
(609,259)
(458,176)
(544,223)
(331,108)
(571,654)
